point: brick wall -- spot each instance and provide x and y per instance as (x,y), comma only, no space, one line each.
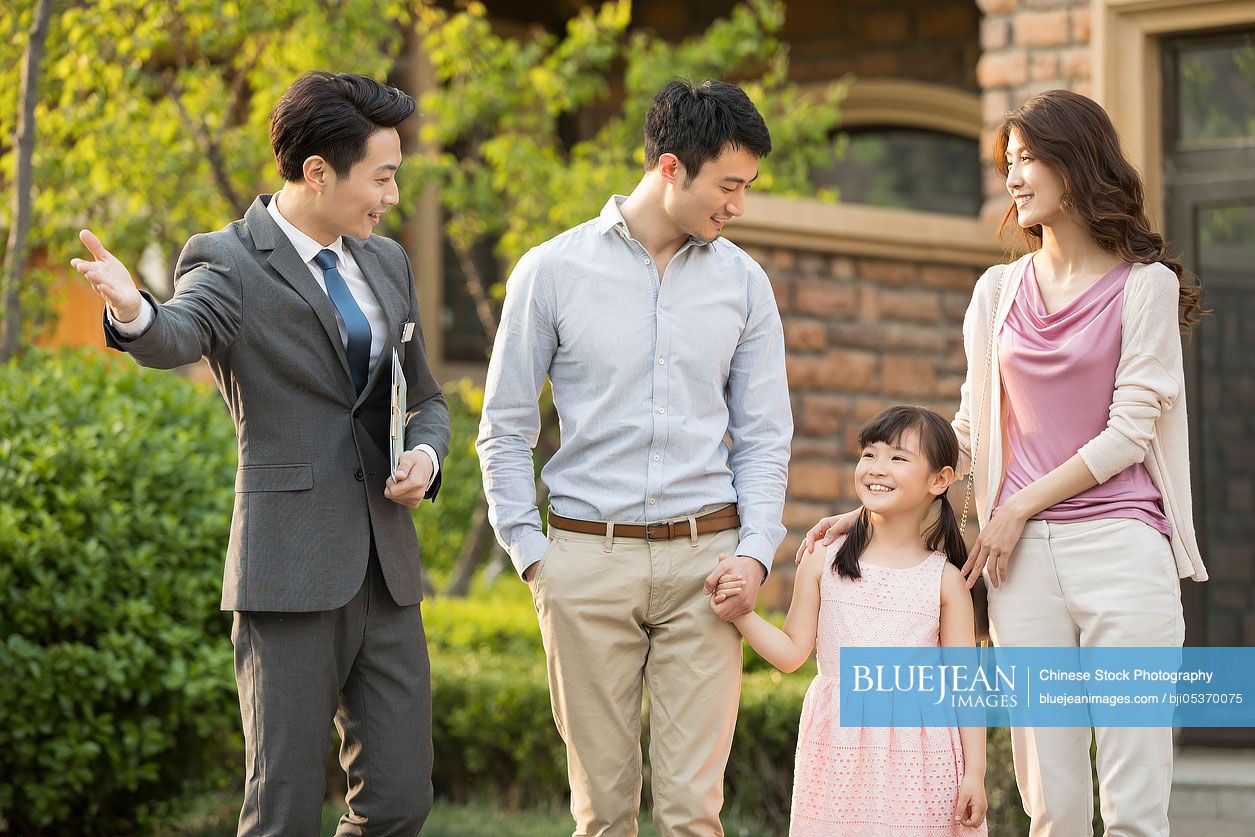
(862,334)
(933,41)
(1028,46)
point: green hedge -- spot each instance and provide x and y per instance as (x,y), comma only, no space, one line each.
(442,526)
(115,498)
(498,622)
(116,486)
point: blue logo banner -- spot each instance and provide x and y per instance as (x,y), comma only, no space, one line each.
(1048,687)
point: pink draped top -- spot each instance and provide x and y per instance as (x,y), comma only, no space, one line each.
(1058,377)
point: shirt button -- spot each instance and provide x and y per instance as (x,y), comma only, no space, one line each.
(661,361)
(661,410)
(657,457)
(645,260)
(653,501)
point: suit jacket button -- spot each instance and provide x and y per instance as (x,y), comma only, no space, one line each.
(358,475)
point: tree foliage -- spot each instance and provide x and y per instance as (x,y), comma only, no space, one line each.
(533,134)
(152,116)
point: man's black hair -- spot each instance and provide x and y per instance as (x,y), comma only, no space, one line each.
(696,123)
(332,115)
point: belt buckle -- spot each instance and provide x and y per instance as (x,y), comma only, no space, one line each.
(669,524)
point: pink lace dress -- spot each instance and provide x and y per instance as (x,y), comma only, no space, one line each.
(874,781)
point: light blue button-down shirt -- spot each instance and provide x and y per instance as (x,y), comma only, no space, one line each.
(648,379)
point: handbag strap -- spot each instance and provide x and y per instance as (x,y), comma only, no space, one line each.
(984,391)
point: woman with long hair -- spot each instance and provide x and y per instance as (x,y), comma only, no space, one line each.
(1072,420)
(1075,389)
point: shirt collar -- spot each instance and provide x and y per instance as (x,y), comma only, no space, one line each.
(611,218)
(305,246)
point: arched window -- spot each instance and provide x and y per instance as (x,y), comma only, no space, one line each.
(907,168)
(908,145)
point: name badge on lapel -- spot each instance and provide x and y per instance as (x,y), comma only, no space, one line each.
(407,332)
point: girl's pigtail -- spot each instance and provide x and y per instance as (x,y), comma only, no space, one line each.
(846,560)
(946,536)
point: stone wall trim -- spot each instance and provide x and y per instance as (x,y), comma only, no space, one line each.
(860,230)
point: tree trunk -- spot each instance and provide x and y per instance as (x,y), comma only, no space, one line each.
(24,142)
(478,543)
(478,290)
(209,147)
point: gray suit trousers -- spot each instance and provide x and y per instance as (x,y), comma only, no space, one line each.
(363,665)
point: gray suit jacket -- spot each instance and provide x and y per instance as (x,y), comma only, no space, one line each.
(313,455)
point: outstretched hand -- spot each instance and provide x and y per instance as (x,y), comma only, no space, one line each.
(109,278)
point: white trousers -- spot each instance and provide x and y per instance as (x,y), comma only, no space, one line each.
(1097,583)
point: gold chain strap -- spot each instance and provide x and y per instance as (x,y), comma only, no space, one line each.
(984,391)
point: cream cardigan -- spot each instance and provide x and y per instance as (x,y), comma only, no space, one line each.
(1146,422)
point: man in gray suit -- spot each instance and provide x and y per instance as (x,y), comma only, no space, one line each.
(298,309)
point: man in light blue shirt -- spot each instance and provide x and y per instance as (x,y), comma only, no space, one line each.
(666,356)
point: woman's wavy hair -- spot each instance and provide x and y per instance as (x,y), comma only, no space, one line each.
(940,447)
(1074,135)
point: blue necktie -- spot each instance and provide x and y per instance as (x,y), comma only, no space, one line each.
(355,322)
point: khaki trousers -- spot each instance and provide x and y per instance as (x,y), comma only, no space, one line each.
(1096,583)
(616,613)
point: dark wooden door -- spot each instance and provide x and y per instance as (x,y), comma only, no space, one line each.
(1209,118)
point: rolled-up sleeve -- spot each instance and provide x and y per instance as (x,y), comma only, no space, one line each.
(510,423)
(760,423)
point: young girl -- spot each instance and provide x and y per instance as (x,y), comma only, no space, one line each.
(884,584)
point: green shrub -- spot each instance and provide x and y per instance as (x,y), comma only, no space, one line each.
(500,621)
(759,779)
(493,729)
(115,498)
(116,487)
(492,725)
(443,525)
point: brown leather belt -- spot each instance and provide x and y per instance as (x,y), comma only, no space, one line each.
(664,530)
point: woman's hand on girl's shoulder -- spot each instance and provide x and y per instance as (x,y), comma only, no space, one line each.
(953,581)
(813,560)
(826,531)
